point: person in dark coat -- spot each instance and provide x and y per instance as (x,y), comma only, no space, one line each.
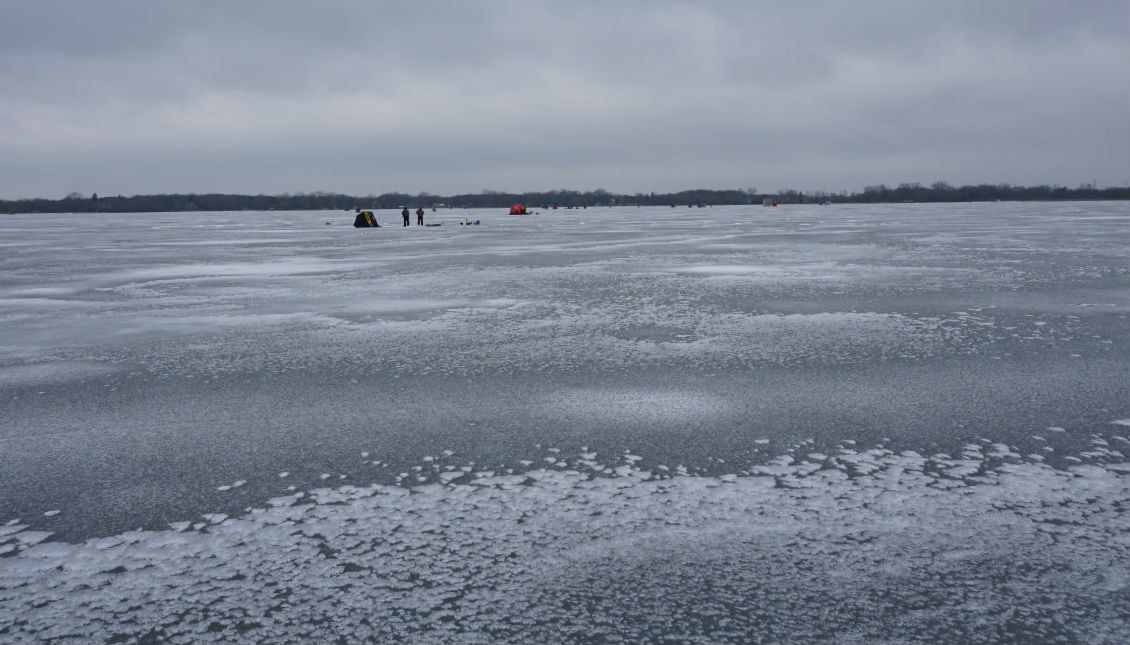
(404,215)
(419,217)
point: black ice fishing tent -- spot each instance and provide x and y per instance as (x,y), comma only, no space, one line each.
(365,219)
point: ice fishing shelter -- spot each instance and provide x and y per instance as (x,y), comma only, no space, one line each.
(518,209)
(365,219)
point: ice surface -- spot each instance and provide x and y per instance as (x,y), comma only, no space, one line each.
(867,539)
(872,423)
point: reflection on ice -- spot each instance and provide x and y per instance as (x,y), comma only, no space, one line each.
(731,269)
(171,272)
(640,406)
(50,373)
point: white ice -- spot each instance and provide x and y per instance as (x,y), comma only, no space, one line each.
(486,550)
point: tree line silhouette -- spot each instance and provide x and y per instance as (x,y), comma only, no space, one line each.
(321,200)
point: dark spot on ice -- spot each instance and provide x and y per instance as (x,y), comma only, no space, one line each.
(1055,521)
(152,637)
(243,627)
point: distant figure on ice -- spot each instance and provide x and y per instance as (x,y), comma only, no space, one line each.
(419,217)
(404,215)
(365,219)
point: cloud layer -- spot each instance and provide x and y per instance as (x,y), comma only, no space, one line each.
(445,97)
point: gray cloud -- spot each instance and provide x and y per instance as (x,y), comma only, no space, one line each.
(135,97)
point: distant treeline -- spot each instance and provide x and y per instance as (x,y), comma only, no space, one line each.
(910,192)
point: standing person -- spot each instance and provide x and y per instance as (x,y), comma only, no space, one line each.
(404,215)
(419,217)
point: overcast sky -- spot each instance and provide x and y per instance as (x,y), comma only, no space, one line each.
(366,97)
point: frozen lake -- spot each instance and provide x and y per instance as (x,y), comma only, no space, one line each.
(847,423)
